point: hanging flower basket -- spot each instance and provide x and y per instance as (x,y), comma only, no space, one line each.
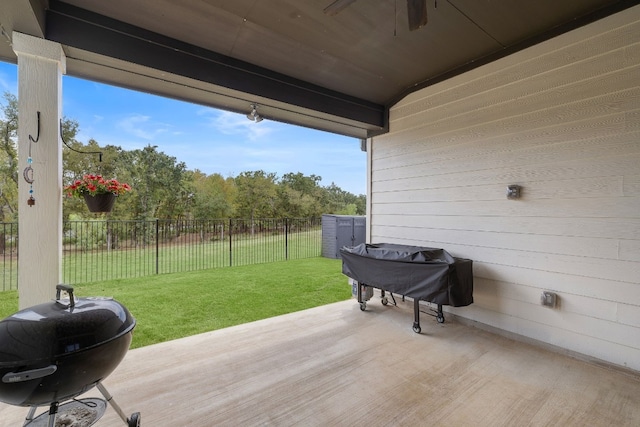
(100,202)
(99,193)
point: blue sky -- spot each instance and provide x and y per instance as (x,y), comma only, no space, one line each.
(207,139)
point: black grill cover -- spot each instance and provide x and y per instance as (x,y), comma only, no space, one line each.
(427,274)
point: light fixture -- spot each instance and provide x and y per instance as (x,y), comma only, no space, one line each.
(253,115)
(514,192)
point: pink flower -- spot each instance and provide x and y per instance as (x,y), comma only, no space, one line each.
(96,184)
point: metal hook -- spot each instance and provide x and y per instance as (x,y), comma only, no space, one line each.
(99,153)
(37,136)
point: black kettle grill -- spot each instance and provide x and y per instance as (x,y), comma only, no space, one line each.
(52,352)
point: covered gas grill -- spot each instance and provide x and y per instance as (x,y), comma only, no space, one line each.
(53,352)
(421,273)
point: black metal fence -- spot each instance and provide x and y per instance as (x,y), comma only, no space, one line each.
(103,250)
(9,255)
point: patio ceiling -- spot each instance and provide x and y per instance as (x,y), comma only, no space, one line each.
(337,70)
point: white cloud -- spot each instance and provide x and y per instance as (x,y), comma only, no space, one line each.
(142,127)
(229,123)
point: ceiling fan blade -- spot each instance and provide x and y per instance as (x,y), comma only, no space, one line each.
(417,11)
(337,6)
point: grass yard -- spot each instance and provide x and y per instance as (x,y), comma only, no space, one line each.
(170,306)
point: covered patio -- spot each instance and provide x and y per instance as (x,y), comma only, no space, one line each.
(542,95)
(337,365)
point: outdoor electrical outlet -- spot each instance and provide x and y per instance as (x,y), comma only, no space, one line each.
(548,299)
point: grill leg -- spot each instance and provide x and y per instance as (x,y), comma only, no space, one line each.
(416,316)
(112,402)
(32,411)
(440,315)
(53,410)
(363,304)
(133,421)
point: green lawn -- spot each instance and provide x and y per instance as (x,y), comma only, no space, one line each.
(170,306)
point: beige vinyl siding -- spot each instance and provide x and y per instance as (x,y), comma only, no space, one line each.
(561,119)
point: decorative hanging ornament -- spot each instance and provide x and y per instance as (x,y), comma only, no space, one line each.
(28,171)
(28,176)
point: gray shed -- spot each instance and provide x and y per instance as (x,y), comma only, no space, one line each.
(342,230)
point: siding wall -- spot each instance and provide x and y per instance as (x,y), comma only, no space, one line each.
(561,119)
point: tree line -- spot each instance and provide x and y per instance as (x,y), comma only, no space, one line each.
(163,187)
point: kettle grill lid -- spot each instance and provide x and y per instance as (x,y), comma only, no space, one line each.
(45,332)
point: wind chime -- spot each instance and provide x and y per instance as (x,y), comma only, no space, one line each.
(28,171)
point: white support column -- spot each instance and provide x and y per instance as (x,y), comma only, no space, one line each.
(41,64)
(369,185)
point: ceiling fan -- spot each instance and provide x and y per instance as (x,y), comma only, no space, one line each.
(416,10)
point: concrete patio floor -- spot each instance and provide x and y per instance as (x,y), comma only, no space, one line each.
(338,366)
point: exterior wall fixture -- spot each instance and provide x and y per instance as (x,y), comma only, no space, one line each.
(549,299)
(253,115)
(514,191)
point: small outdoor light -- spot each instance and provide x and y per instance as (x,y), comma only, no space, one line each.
(253,115)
